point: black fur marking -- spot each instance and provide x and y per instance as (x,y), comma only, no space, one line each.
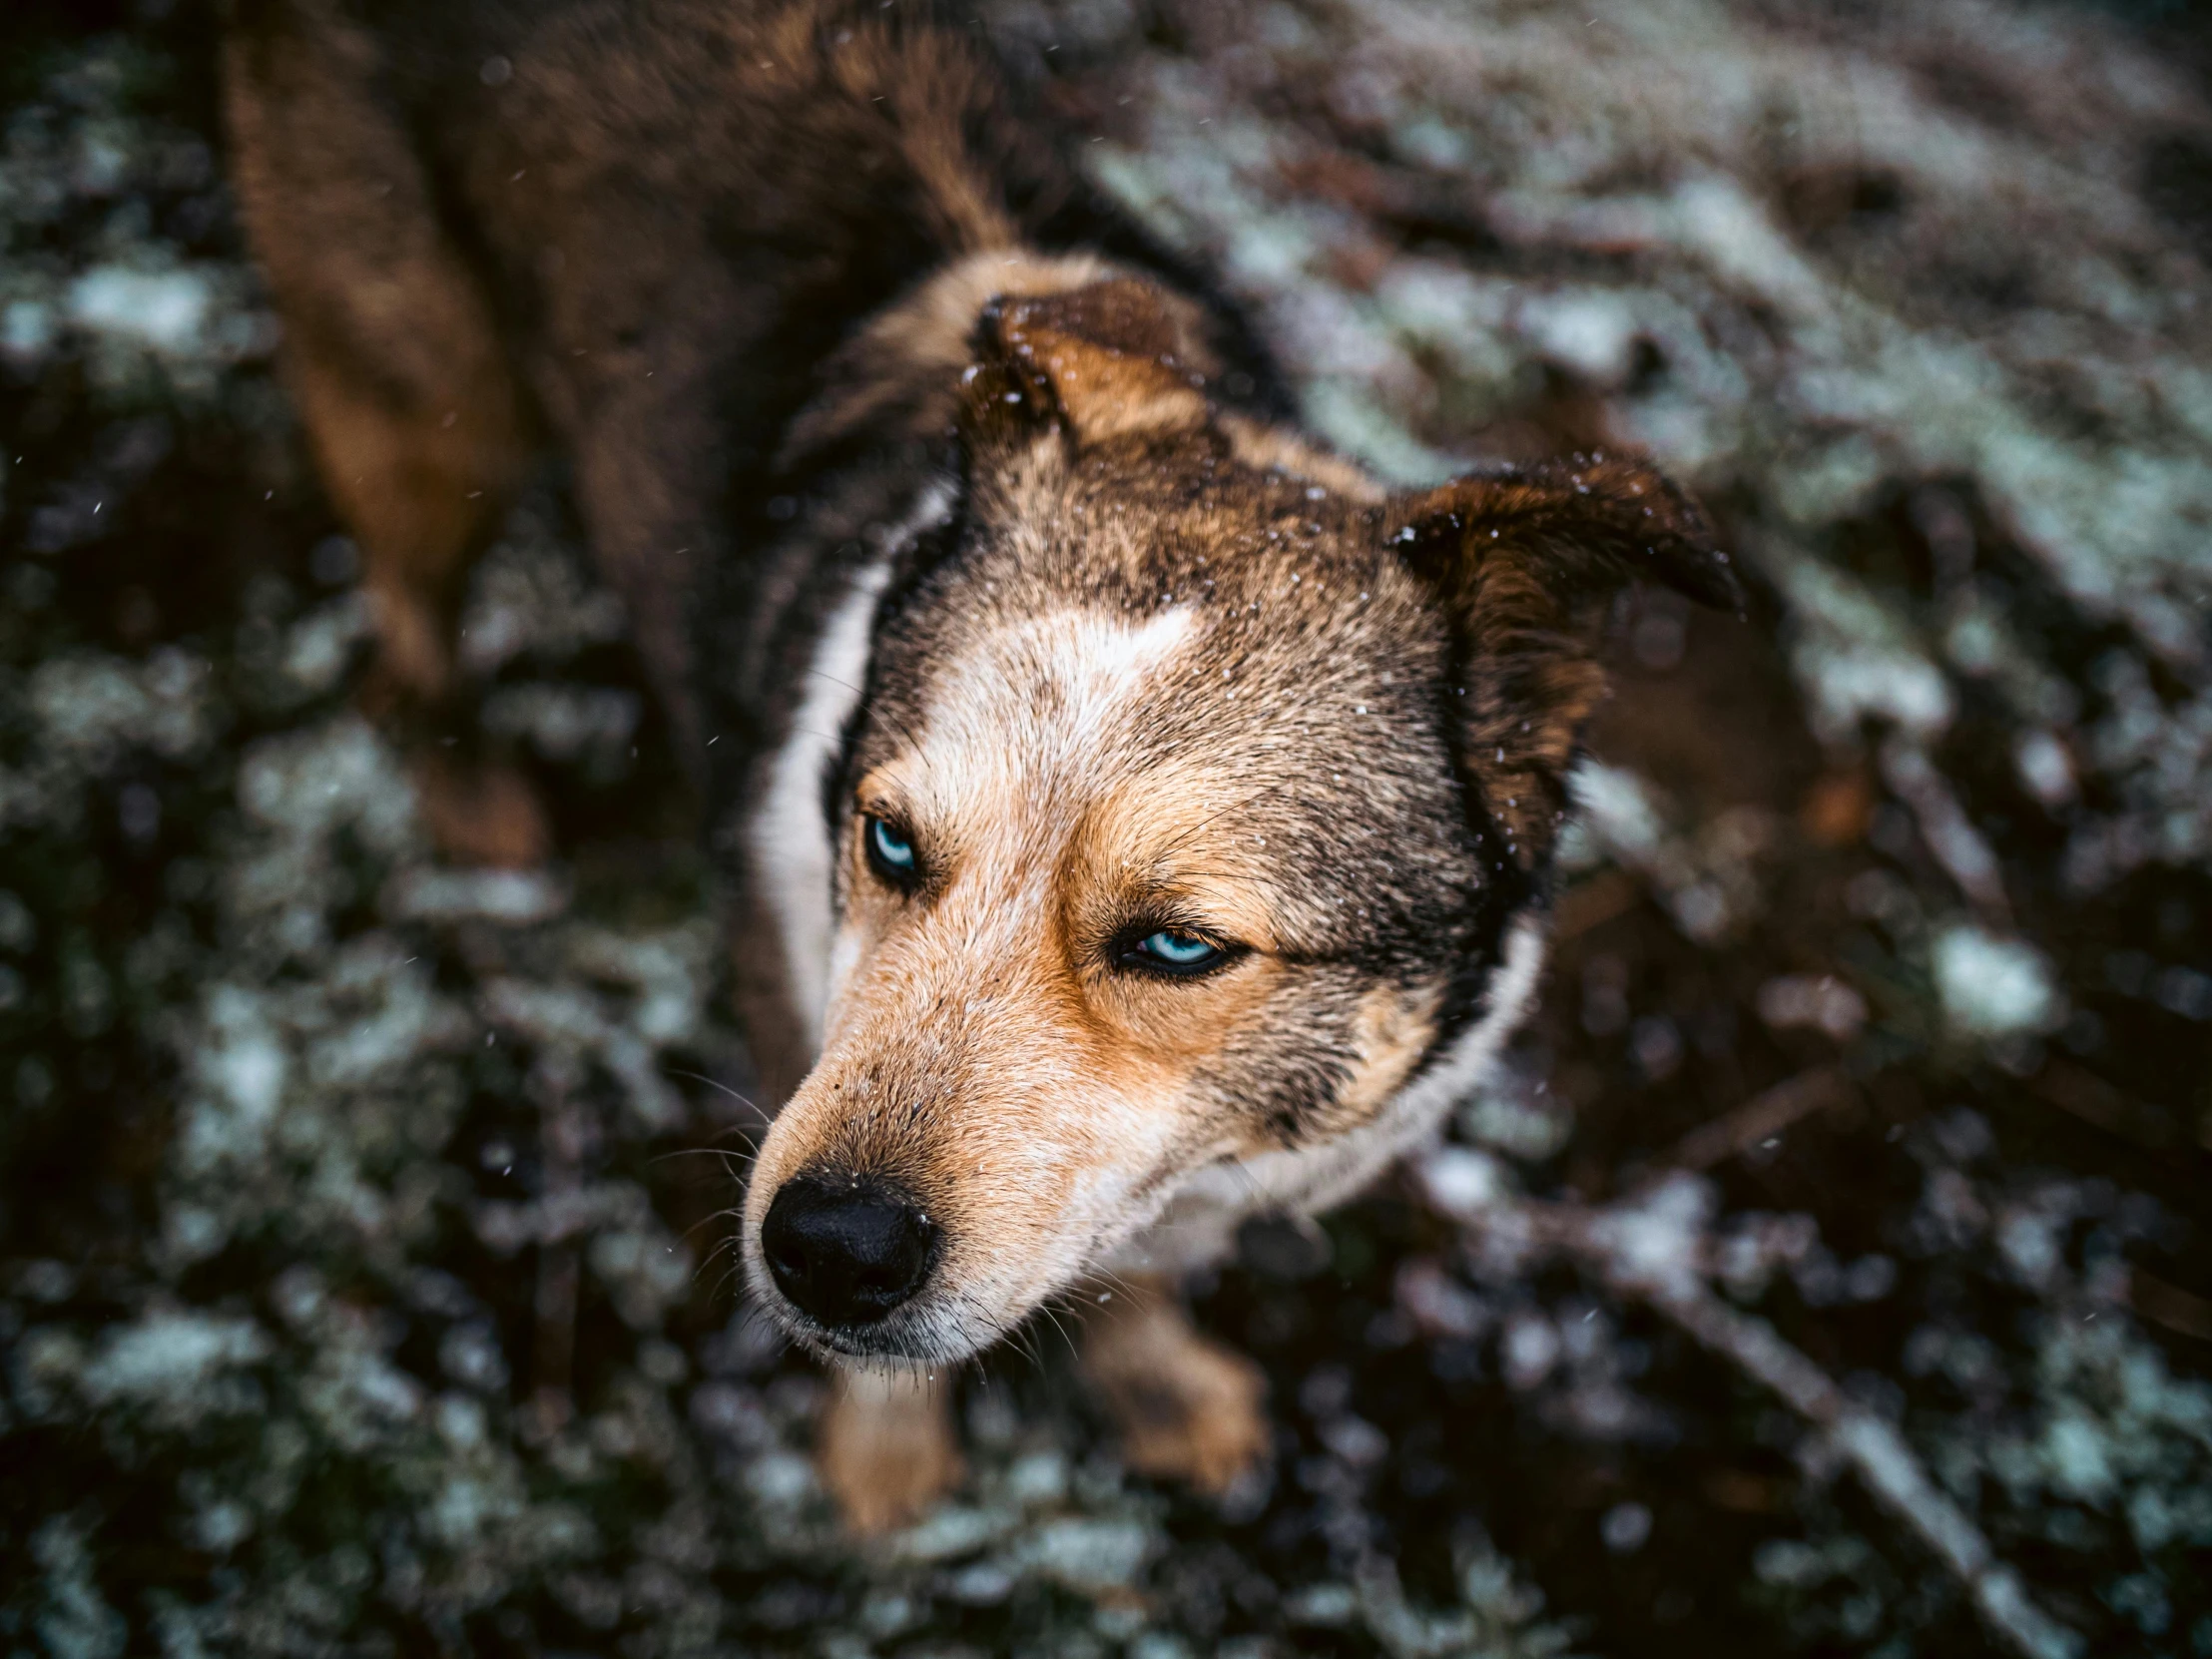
(915,566)
(1506,892)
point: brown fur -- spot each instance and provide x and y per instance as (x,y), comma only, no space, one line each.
(830,347)
(393,350)
(410,402)
(484,220)
(1521,558)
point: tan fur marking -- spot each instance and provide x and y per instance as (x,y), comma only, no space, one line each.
(1395,1029)
(981,1008)
(1264,447)
(929,337)
(1114,358)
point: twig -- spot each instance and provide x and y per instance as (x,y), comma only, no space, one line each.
(1884,1463)
(1765,1115)
(2090,1098)
(1949,834)
(1652,1247)
(552,1360)
(2169,1305)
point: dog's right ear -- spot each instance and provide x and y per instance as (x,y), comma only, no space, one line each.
(1522,563)
(1105,360)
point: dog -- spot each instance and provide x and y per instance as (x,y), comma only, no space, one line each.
(1138,816)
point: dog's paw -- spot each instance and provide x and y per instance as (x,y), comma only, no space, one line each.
(1189,1409)
(886,1451)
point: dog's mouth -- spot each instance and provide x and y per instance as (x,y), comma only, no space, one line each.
(935,1328)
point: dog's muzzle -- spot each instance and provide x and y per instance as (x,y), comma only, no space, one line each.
(845,1249)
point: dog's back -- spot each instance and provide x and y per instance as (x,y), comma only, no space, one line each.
(598,214)
(640,224)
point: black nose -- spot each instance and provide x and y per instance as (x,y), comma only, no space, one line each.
(847,1251)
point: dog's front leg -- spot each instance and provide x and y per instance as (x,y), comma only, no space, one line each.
(1189,1409)
(886,1449)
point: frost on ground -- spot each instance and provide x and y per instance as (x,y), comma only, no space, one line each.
(363,1271)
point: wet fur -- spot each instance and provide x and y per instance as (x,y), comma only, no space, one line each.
(936,492)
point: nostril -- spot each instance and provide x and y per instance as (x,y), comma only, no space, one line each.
(847,1251)
(785,1252)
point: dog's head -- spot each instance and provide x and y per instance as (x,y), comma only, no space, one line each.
(1195,786)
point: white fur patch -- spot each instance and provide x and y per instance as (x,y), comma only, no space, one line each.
(793,855)
(981,729)
(1198,1223)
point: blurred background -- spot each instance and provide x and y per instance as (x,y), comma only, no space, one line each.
(365,1283)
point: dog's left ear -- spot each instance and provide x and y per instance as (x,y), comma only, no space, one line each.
(1524,564)
(1098,362)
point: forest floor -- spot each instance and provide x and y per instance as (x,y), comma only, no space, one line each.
(1825,1270)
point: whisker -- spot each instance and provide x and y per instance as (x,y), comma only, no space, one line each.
(904,730)
(741,1159)
(1236,806)
(719,1215)
(1112,1282)
(720,1087)
(1045,1308)
(724,1283)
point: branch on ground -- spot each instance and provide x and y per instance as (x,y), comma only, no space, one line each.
(1655,1247)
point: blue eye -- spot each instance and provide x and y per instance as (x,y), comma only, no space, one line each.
(1172,951)
(891,854)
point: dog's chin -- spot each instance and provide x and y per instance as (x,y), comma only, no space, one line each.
(890,1343)
(934,1329)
